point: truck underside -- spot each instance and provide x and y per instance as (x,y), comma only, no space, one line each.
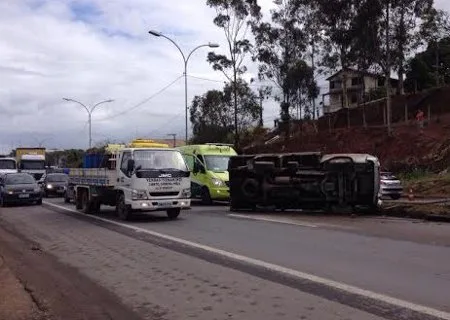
(302,181)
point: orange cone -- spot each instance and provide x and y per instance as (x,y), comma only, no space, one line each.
(410,195)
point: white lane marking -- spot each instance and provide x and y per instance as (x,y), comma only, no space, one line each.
(278,220)
(277,268)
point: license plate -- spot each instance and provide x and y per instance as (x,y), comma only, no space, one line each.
(165,204)
(23,196)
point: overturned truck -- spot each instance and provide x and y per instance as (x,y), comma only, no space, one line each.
(310,181)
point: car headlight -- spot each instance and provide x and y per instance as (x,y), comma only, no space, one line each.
(139,195)
(10,192)
(49,186)
(186,193)
(217,182)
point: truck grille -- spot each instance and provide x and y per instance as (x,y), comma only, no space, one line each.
(164,194)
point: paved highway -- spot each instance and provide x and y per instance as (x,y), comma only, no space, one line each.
(211,264)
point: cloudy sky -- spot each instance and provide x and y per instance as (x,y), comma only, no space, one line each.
(92,50)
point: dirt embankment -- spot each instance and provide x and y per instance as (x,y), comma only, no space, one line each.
(408,149)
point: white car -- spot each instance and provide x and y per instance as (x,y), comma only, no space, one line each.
(390,186)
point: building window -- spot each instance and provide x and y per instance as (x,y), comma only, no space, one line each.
(332,84)
(356,81)
(380,82)
(354,98)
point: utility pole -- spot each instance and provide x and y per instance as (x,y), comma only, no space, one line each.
(174,136)
(388,71)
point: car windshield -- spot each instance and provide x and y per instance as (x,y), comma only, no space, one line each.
(217,163)
(57,178)
(7,164)
(32,165)
(159,159)
(388,176)
(19,179)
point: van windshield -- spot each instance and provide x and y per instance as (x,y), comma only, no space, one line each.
(7,164)
(217,163)
(32,164)
(159,159)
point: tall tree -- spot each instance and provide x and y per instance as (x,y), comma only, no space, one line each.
(421,71)
(233,16)
(435,28)
(337,18)
(212,114)
(280,46)
(406,18)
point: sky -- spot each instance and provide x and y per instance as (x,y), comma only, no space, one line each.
(95,50)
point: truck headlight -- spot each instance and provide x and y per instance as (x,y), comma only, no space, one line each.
(139,195)
(217,182)
(186,193)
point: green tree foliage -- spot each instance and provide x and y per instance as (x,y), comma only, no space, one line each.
(421,70)
(406,20)
(233,16)
(280,48)
(212,114)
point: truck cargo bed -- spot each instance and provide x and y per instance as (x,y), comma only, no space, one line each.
(98,177)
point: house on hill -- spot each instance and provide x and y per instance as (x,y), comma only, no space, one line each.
(359,85)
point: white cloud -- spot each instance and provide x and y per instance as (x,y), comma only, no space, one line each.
(95,50)
(92,50)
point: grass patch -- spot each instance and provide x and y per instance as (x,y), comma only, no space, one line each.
(418,211)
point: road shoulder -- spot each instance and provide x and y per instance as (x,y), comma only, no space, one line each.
(35,286)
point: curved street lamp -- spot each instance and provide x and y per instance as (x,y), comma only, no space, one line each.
(89,111)
(185,60)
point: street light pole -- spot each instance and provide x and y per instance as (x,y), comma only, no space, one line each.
(185,60)
(89,111)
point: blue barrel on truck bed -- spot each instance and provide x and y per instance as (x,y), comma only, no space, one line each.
(93,160)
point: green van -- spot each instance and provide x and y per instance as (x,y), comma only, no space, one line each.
(208,164)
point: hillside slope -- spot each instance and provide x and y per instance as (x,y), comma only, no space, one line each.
(408,149)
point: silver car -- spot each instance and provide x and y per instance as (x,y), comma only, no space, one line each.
(390,186)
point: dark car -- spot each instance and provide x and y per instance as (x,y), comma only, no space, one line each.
(54,184)
(19,188)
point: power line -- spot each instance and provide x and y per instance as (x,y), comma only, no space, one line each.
(144,101)
(223,81)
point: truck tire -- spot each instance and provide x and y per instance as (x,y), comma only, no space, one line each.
(86,205)
(173,213)
(206,197)
(77,197)
(123,210)
(250,188)
(66,198)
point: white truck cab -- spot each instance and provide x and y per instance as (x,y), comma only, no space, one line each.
(151,178)
(8,165)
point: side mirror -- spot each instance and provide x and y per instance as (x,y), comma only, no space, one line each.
(130,165)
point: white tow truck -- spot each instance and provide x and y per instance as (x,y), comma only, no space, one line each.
(143,176)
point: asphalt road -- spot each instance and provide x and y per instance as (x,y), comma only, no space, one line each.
(210,264)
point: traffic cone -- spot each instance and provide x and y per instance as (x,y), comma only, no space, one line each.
(410,195)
